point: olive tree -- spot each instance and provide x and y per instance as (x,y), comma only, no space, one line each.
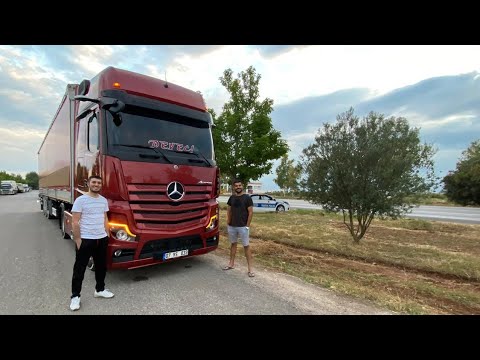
(366,167)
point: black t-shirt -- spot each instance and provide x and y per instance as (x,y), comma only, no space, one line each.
(239,207)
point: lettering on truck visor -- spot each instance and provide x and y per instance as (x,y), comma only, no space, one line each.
(170,146)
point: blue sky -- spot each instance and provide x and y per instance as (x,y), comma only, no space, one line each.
(437,88)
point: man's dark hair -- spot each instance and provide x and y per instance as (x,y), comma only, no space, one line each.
(94,177)
(236,180)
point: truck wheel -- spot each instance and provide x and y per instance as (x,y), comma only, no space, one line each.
(91,265)
(60,216)
(49,210)
(45,208)
(62,223)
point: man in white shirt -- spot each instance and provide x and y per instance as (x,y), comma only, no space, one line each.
(90,233)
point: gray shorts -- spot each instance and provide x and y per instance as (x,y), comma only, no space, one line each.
(241,231)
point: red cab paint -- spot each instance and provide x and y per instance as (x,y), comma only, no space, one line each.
(151,142)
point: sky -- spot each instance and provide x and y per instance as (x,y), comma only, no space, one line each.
(436,87)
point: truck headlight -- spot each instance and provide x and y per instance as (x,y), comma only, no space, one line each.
(122,235)
(121,232)
(213,223)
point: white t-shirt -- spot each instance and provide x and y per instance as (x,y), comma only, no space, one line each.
(92,221)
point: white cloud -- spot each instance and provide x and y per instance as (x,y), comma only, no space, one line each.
(291,75)
(318,70)
(427,123)
(93,58)
(463,119)
(19,147)
(297,142)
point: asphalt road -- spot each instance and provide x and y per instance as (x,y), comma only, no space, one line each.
(465,215)
(36,268)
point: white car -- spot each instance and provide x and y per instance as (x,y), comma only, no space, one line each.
(263,202)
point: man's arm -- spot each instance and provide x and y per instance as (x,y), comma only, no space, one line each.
(76,228)
(250,214)
(229,215)
(107,228)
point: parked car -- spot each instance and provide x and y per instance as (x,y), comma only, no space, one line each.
(264,202)
(8,187)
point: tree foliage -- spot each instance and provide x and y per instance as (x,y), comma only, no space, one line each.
(463,185)
(366,167)
(246,144)
(15,177)
(32,179)
(288,174)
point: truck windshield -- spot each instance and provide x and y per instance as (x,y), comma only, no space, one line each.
(142,133)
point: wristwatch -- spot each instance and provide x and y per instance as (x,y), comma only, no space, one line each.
(247,227)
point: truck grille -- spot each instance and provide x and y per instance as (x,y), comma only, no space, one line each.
(152,209)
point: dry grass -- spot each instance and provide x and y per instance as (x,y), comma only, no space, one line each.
(407,265)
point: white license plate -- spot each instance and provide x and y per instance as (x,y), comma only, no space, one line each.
(175,254)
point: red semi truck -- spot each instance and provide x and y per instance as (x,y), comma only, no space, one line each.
(151,142)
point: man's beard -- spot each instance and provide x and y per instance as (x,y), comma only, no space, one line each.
(95,191)
(238,190)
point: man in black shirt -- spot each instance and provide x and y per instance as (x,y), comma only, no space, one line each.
(239,216)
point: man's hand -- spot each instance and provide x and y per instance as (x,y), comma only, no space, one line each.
(78,242)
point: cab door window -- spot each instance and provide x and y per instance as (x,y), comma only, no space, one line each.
(93,135)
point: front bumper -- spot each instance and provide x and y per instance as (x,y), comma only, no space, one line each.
(150,252)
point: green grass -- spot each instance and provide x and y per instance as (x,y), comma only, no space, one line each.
(407,265)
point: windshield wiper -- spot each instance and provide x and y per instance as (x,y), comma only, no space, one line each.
(158,151)
(198,153)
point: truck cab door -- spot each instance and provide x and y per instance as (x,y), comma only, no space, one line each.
(87,151)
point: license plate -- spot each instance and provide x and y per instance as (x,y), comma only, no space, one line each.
(175,254)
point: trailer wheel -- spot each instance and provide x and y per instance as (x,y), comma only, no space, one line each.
(60,216)
(49,210)
(45,207)
(91,264)
(62,222)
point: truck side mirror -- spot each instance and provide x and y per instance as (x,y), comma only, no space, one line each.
(85,98)
(117,107)
(84,87)
(113,105)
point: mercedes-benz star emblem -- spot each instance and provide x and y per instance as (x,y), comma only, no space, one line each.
(175,191)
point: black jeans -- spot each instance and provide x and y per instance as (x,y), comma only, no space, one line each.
(97,249)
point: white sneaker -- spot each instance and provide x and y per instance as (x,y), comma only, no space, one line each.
(103,294)
(75,303)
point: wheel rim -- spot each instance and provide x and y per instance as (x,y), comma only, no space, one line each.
(280,208)
(63,224)
(45,208)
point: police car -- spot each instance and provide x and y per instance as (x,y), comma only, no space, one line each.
(263,202)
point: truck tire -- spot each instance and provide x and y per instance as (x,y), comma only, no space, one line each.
(60,216)
(49,210)
(91,264)
(45,207)
(62,222)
